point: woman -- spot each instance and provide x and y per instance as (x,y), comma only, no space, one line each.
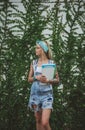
(41,96)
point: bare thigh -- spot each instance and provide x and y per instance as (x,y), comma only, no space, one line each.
(38,116)
(46,115)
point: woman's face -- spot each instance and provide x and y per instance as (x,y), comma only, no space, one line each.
(38,50)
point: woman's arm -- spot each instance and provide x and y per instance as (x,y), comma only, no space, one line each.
(43,79)
(56,79)
(30,75)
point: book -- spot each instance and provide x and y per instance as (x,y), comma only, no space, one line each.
(49,70)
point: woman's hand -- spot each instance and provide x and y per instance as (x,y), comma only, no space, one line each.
(55,80)
(42,78)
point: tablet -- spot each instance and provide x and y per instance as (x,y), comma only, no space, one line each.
(49,70)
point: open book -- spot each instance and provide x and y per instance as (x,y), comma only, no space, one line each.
(48,70)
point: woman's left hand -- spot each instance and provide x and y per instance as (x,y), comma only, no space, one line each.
(55,80)
(43,79)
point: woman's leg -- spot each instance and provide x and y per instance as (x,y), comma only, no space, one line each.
(38,116)
(45,119)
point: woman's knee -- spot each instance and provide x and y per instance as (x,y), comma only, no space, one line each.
(45,123)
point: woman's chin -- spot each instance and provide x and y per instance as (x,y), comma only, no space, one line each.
(37,55)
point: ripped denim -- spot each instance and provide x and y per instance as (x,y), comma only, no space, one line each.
(41,97)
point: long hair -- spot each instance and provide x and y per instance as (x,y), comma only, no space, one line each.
(49,52)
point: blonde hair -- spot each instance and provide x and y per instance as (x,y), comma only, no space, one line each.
(49,52)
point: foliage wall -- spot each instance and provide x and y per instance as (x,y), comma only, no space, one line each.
(20,27)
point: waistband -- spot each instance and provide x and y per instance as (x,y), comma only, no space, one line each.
(45,92)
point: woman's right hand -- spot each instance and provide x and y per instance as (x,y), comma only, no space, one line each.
(41,78)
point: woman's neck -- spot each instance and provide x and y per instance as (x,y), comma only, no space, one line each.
(42,60)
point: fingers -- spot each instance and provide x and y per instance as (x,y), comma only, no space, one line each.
(43,78)
(38,77)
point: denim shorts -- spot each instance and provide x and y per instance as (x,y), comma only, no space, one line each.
(41,97)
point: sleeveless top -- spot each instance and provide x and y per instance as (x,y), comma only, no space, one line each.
(38,87)
(38,68)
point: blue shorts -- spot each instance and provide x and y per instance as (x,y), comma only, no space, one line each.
(41,97)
